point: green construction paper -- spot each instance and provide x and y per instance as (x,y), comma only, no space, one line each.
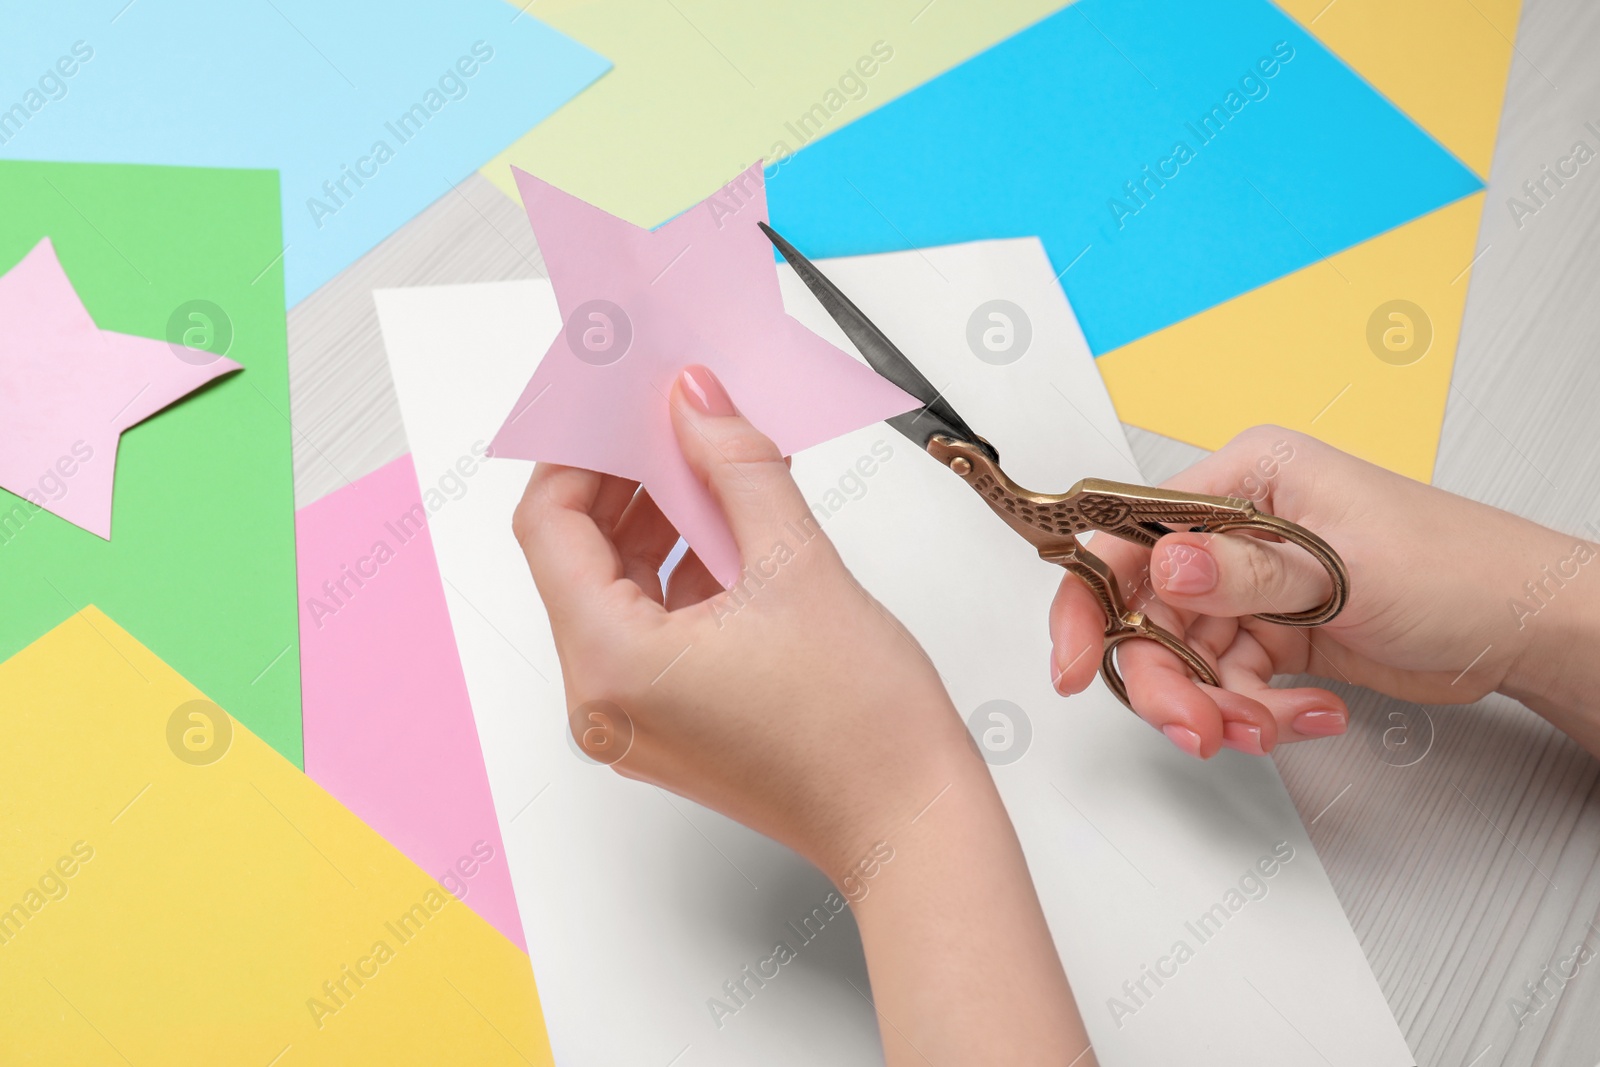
(201,563)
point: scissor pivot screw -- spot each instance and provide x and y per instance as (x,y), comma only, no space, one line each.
(961,465)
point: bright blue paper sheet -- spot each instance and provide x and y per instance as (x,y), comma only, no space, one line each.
(1047,132)
(369,109)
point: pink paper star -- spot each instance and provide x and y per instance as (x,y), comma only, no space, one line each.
(639,305)
(68,389)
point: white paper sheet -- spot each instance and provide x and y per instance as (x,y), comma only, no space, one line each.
(639,906)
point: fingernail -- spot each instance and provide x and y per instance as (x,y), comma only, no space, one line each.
(1320,723)
(1242,737)
(705,392)
(1186,569)
(1059,665)
(1184,738)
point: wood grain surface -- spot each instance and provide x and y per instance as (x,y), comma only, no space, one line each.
(1464,842)
(1471,870)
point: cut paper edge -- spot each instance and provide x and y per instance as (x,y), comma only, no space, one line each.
(216,368)
(1302,351)
(43,263)
(91,509)
(1442,63)
(804,390)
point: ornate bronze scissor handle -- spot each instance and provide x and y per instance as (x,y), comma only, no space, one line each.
(1136,513)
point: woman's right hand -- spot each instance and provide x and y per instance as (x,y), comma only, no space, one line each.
(1433,616)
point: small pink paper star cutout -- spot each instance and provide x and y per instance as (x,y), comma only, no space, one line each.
(68,390)
(638,306)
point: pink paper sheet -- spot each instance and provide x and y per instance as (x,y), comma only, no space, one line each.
(388,724)
(639,305)
(68,389)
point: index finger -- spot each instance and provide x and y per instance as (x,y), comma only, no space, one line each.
(570,557)
(1078,622)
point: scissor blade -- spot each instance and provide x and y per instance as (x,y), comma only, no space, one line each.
(936,416)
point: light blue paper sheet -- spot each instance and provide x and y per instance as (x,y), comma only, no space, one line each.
(310,88)
(1042,134)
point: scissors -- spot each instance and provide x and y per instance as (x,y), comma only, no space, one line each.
(1051,523)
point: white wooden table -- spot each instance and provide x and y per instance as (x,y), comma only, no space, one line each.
(1468,859)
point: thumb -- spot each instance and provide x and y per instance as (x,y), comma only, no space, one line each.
(1232,575)
(744,470)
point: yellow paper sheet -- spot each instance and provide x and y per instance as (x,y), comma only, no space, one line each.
(1280,353)
(174,895)
(1442,62)
(700,89)
(1327,350)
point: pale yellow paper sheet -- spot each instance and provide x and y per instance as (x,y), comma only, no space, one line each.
(700,89)
(1283,352)
(161,910)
